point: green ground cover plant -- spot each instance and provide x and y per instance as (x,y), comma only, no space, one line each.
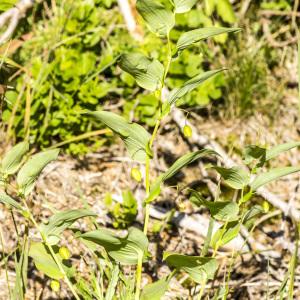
(111,251)
(70,64)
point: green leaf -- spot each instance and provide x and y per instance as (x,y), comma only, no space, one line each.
(237,178)
(44,261)
(225,11)
(155,290)
(251,215)
(225,234)
(13,158)
(135,137)
(253,152)
(123,250)
(194,36)
(4,198)
(271,175)
(61,221)
(147,72)
(197,267)
(32,169)
(220,210)
(159,19)
(111,290)
(275,151)
(176,167)
(190,85)
(183,6)
(210,7)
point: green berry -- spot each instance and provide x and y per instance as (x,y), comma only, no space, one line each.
(136,174)
(187,131)
(55,286)
(266,206)
(64,253)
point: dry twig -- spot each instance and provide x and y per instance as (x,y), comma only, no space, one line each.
(12,17)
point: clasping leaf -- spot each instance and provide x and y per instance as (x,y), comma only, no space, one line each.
(190,85)
(220,210)
(135,137)
(61,221)
(236,177)
(183,6)
(147,72)
(44,261)
(194,36)
(13,158)
(155,290)
(159,18)
(124,250)
(32,169)
(176,167)
(197,267)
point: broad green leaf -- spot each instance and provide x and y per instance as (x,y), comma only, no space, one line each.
(7,4)
(220,210)
(271,175)
(253,152)
(147,72)
(175,168)
(225,234)
(190,85)
(251,215)
(155,290)
(183,6)
(4,198)
(159,18)
(44,261)
(275,151)
(197,267)
(194,36)
(123,250)
(237,178)
(32,169)
(13,158)
(225,11)
(135,137)
(61,221)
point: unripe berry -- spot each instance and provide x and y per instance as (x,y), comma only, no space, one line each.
(55,286)
(64,253)
(136,174)
(187,131)
(266,206)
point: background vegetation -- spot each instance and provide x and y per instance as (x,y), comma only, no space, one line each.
(65,58)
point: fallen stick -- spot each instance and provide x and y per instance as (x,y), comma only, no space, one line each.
(203,141)
(12,17)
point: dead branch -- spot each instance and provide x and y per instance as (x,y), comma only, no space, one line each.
(127,12)
(12,17)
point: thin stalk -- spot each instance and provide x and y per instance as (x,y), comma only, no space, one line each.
(147,175)
(139,276)
(208,237)
(6,266)
(68,282)
(203,283)
(293,266)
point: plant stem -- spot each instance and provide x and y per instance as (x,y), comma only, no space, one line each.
(66,279)
(5,261)
(138,276)
(208,237)
(147,176)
